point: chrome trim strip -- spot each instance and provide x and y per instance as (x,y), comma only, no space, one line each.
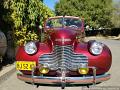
(63,40)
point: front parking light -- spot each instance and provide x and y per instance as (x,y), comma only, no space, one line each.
(83,71)
(44,69)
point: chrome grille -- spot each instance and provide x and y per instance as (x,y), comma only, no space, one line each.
(63,58)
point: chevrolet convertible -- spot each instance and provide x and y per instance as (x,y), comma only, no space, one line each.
(64,57)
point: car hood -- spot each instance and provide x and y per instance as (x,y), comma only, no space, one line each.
(63,36)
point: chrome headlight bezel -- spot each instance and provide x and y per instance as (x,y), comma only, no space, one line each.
(96,48)
(30,48)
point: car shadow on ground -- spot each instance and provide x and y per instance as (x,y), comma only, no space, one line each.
(67,85)
(6,62)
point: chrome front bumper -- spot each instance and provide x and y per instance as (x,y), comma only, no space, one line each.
(70,80)
(86,79)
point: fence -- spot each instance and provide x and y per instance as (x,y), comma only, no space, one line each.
(103,32)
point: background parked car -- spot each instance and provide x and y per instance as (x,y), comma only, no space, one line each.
(3,45)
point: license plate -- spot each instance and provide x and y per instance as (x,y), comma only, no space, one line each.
(25,65)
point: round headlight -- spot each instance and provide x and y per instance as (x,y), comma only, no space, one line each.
(96,48)
(30,48)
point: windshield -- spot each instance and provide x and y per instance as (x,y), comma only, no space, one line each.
(63,22)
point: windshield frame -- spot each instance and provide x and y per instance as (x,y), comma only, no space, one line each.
(63,25)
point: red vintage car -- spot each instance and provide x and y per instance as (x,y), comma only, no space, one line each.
(64,57)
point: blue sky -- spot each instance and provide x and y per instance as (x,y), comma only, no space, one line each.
(50,3)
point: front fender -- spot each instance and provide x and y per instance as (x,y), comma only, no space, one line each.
(21,55)
(102,62)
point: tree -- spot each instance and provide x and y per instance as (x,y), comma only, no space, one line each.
(24,15)
(116,15)
(4,24)
(97,13)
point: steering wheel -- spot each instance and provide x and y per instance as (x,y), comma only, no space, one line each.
(73,26)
